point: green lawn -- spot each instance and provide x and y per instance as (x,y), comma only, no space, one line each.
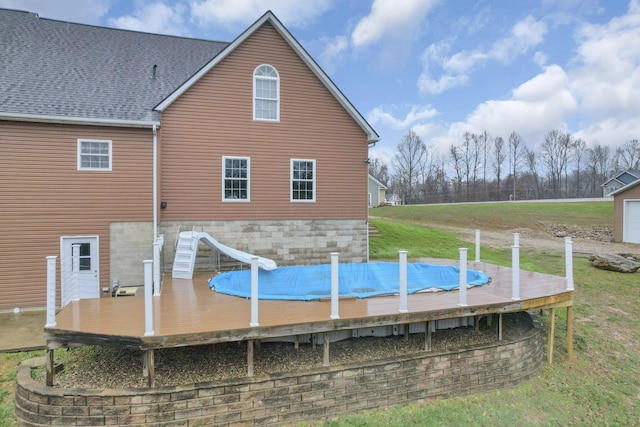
(601,387)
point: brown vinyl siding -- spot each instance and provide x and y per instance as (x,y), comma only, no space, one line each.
(44,197)
(632,193)
(214,118)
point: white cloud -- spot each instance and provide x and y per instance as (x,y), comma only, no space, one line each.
(235,13)
(333,52)
(390,18)
(607,76)
(455,68)
(83,11)
(416,114)
(536,107)
(525,34)
(428,84)
(155,18)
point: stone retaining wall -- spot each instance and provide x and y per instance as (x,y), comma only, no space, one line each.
(287,398)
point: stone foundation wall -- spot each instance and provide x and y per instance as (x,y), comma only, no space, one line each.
(296,242)
(287,242)
(287,398)
(130,244)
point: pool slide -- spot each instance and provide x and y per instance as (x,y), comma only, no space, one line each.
(187,248)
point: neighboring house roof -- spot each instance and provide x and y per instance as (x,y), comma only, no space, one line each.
(61,71)
(376,182)
(53,70)
(624,177)
(625,188)
(269,17)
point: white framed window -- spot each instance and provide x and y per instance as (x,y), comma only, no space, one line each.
(94,155)
(235,179)
(303,180)
(266,93)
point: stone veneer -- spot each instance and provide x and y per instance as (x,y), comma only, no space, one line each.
(287,398)
(295,242)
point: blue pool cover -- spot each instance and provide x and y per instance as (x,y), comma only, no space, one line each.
(358,280)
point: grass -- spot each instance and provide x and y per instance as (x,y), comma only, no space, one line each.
(502,216)
(8,371)
(601,386)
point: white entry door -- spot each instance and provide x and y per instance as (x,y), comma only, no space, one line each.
(88,268)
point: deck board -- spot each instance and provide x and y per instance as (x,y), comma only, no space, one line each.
(189,313)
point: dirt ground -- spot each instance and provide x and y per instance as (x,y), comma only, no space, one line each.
(550,237)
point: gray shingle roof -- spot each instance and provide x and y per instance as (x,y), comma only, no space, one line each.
(61,69)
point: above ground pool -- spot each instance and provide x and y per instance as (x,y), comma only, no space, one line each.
(359,280)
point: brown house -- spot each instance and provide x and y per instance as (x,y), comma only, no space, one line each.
(626,213)
(113,140)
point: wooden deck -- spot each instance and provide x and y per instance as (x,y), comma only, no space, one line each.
(189,313)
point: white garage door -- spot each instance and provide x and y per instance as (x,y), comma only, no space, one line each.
(631,233)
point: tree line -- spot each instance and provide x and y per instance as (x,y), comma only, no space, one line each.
(482,167)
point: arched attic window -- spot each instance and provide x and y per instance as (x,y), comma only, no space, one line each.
(266,93)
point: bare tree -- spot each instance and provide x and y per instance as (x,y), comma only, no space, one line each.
(482,143)
(409,163)
(629,155)
(532,166)
(516,149)
(499,156)
(555,155)
(599,165)
(579,151)
(457,163)
(379,170)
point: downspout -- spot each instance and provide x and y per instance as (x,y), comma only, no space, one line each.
(155,183)
(157,243)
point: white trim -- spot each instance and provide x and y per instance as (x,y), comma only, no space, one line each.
(77,120)
(248,159)
(315,185)
(626,227)
(277,80)
(372,136)
(80,168)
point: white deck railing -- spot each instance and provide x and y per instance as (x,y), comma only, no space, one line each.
(152,282)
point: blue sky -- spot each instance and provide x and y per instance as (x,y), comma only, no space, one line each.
(438,67)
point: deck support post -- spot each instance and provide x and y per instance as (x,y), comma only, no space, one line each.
(157,247)
(515,272)
(427,336)
(296,342)
(314,341)
(254,292)
(568,254)
(148,297)
(499,326)
(249,358)
(477,245)
(403,282)
(49,368)
(51,292)
(476,323)
(334,286)
(570,333)
(149,367)
(463,278)
(325,349)
(552,328)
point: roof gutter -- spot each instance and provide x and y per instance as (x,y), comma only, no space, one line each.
(78,120)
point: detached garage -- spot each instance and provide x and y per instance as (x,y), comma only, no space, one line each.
(626,213)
